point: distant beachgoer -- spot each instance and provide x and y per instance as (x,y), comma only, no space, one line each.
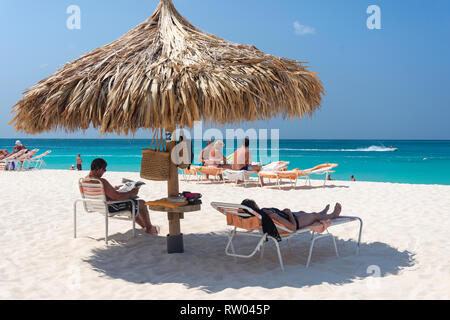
(242,159)
(191,158)
(98,168)
(79,162)
(329,177)
(72,167)
(353,178)
(204,154)
(18,146)
(216,156)
(3,154)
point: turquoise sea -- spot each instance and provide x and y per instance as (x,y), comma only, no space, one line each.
(417,162)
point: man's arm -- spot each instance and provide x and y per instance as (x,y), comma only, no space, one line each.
(281,220)
(291,216)
(112,194)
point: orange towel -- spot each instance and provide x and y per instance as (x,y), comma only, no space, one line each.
(252,223)
(163,203)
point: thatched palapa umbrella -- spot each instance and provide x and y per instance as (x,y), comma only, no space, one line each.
(166,73)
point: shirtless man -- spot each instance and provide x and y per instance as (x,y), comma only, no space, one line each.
(242,159)
(79,162)
(98,168)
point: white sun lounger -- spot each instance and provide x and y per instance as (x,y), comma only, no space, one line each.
(237,210)
(8,161)
(94,200)
(320,169)
(237,175)
(24,159)
(38,161)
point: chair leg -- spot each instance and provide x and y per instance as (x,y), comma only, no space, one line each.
(230,244)
(106,228)
(359,236)
(310,251)
(134,223)
(262,250)
(335,246)
(280,258)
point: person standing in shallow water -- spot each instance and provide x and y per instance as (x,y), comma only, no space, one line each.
(79,162)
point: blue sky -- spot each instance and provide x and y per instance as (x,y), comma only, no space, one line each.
(391,83)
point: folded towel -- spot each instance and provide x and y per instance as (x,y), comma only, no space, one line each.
(165,203)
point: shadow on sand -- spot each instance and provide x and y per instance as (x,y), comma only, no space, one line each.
(204,264)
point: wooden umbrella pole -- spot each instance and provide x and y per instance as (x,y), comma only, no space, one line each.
(173,189)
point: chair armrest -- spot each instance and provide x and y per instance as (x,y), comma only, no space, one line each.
(120,201)
(90,200)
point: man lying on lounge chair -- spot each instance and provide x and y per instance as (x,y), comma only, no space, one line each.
(316,221)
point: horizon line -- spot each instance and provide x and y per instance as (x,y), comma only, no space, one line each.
(344,139)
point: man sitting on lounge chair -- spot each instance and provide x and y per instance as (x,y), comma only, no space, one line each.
(316,221)
(242,158)
(98,168)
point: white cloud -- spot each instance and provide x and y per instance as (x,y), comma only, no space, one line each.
(302,30)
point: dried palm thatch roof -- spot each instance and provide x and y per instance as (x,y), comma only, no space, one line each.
(163,73)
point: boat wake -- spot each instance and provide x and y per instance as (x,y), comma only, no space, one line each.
(369,149)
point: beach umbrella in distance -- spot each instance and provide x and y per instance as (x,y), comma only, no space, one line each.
(166,73)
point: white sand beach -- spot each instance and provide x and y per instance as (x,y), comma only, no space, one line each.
(404,250)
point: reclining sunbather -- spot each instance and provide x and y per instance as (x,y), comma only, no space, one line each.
(316,221)
(4,154)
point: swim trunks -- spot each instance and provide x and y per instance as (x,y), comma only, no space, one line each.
(122,206)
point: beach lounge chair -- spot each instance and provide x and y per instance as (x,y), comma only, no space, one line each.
(38,161)
(278,175)
(9,161)
(277,165)
(94,200)
(238,219)
(22,161)
(28,157)
(211,171)
(269,171)
(325,169)
(237,175)
(189,174)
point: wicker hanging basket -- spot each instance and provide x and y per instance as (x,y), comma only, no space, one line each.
(156,161)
